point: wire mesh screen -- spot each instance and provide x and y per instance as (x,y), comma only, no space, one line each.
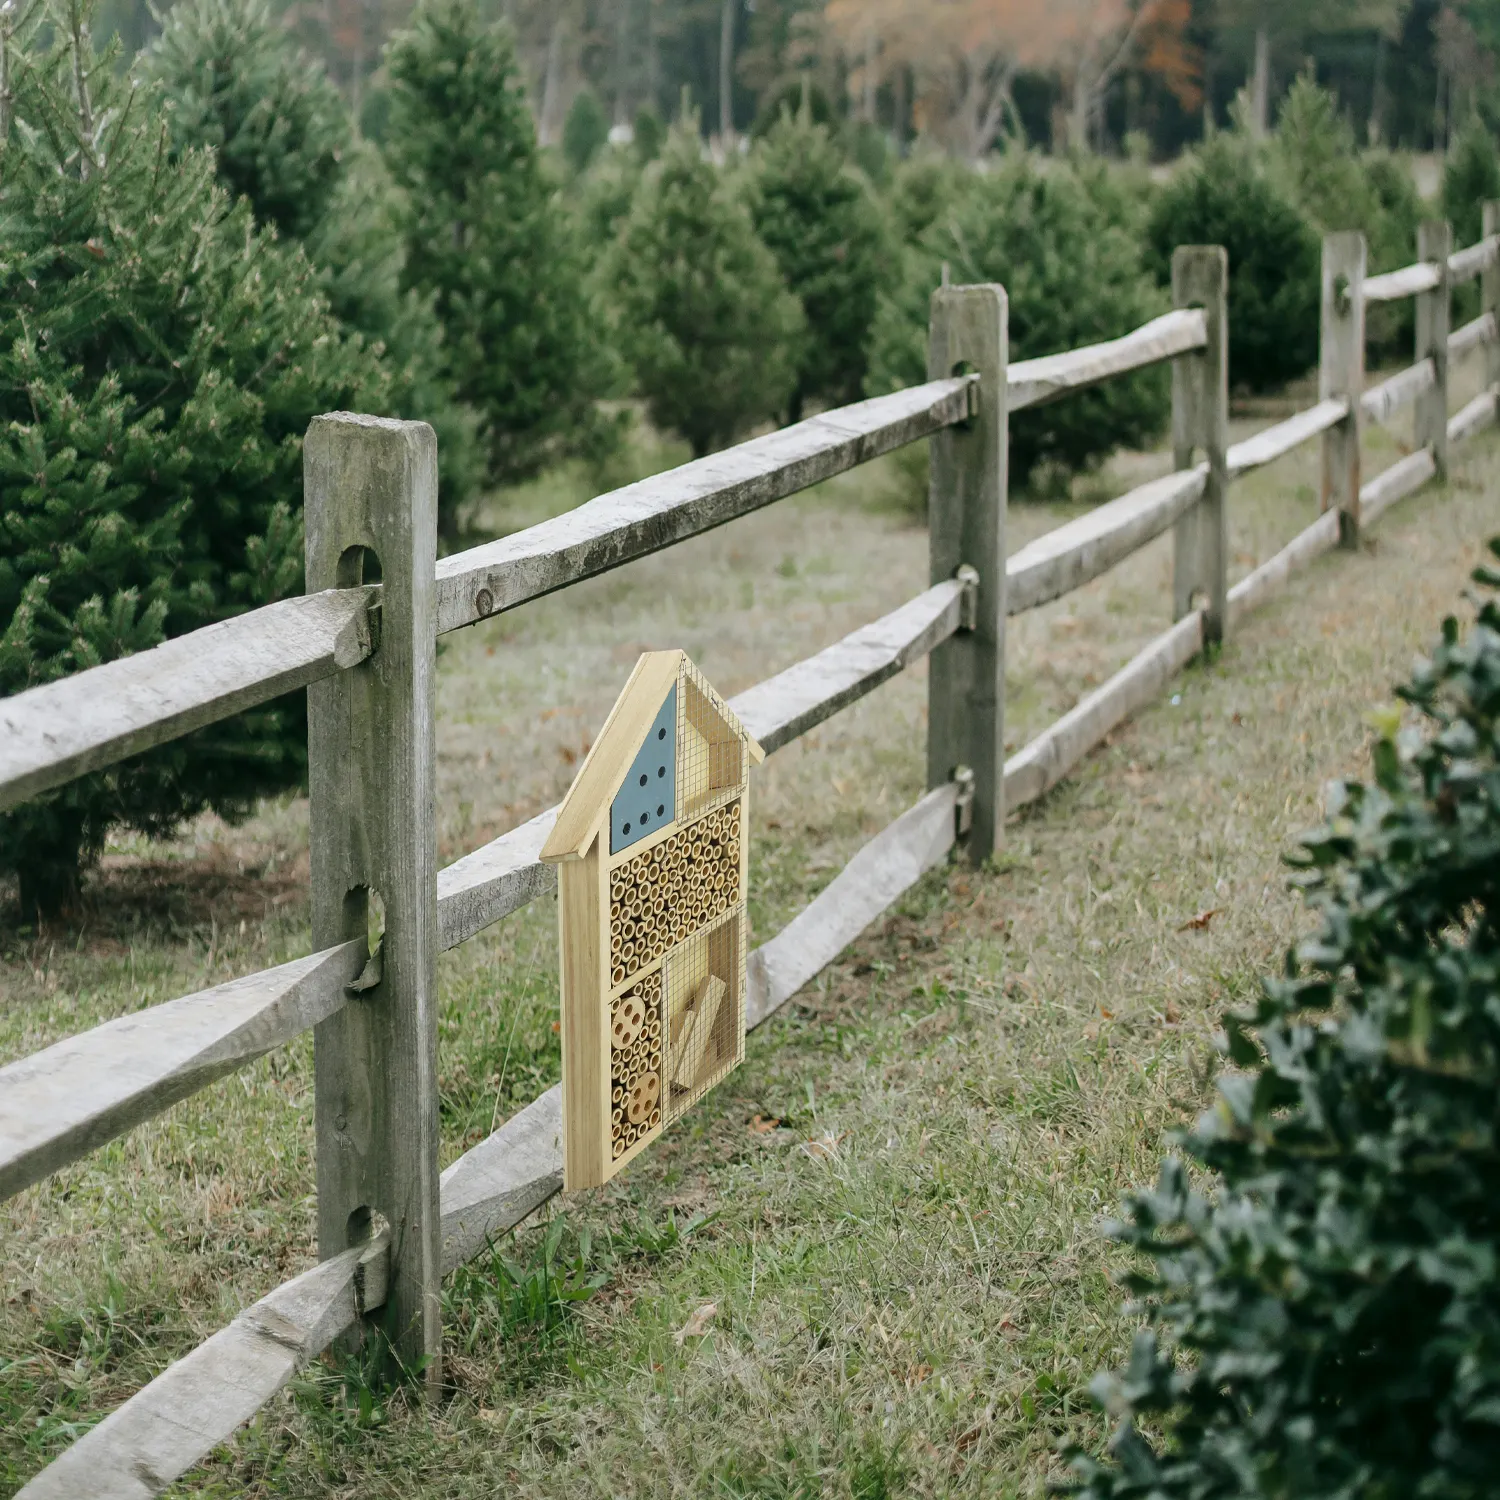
(703,1006)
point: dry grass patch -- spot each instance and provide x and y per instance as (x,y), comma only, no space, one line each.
(892,1209)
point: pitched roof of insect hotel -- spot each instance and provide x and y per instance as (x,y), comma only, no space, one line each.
(662,744)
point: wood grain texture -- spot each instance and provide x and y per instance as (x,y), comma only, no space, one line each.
(1031,382)
(1341,377)
(1475,334)
(493,1186)
(645,517)
(585,810)
(198,1402)
(583,985)
(1396,482)
(1395,393)
(1068,556)
(1407,282)
(967,489)
(1272,575)
(1271,443)
(1489,293)
(1053,753)
(496,879)
(1434,309)
(1473,417)
(892,862)
(371,488)
(51,734)
(63,1102)
(785,706)
(1200,428)
(1465,265)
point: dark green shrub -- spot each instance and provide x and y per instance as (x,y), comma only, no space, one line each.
(703,317)
(160,359)
(1222,196)
(486,241)
(826,229)
(1072,278)
(922,188)
(585,131)
(1332,1312)
(1471,176)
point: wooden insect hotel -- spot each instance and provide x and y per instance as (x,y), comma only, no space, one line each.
(652,844)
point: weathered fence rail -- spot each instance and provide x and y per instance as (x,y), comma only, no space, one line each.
(391,1229)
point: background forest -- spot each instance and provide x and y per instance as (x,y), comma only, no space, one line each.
(567,235)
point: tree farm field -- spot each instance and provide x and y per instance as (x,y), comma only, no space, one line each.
(869,1263)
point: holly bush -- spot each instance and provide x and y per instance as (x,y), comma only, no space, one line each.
(1326,1321)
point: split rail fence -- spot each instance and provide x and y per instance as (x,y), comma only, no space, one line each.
(390,1225)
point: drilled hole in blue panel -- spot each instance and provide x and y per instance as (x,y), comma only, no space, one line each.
(660,808)
(661,734)
(627,828)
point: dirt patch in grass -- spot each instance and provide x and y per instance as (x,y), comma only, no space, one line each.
(892,1210)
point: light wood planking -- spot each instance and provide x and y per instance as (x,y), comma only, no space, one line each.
(1031,382)
(1472,418)
(1407,282)
(1475,334)
(198,1402)
(966,501)
(1465,265)
(785,706)
(63,1102)
(583,892)
(1068,556)
(1053,753)
(1434,314)
(889,864)
(1271,443)
(1200,428)
(53,733)
(493,1186)
(584,812)
(371,488)
(1381,402)
(645,517)
(1341,376)
(495,880)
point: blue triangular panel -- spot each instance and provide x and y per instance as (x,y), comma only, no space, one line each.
(647,799)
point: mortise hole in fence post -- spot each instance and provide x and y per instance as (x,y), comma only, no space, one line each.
(1341,373)
(1200,425)
(966,527)
(1489,297)
(371,498)
(1434,244)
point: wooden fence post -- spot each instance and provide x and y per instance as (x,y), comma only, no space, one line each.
(371,507)
(966,527)
(1200,424)
(1434,244)
(1341,372)
(1489,297)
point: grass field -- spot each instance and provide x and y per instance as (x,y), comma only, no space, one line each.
(870,1263)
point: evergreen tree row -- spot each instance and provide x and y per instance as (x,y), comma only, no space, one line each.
(201,253)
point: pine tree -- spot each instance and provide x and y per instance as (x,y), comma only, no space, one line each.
(160,359)
(486,240)
(825,227)
(705,319)
(1471,176)
(236,81)
(585,131)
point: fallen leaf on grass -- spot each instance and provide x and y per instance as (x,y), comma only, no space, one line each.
(697,1325)
(763,1124)
(915,1375)
(1201,921)
(825,1145)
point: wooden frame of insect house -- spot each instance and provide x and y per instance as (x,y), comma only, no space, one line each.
(652,849)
